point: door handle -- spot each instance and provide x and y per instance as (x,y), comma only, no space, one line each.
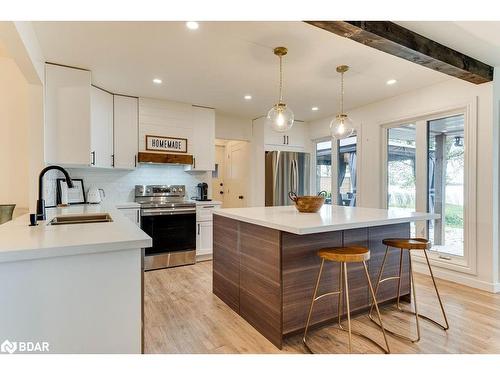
(198,229)
(92,162)
(284,139)
(221,192)
(240,197)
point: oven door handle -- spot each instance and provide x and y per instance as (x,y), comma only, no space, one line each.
(167,211)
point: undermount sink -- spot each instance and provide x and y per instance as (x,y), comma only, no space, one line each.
(81,219)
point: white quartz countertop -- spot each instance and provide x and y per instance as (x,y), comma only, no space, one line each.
(18,241)
(329,218)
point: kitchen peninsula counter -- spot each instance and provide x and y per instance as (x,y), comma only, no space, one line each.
(77,287)
(265,263)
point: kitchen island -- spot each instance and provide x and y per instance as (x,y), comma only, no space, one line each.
(75,287)
(265,263)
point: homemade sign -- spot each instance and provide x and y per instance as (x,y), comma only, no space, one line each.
(166,144)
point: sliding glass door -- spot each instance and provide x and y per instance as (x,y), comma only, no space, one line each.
(426,169)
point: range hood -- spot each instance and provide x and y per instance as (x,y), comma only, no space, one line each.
(164,158)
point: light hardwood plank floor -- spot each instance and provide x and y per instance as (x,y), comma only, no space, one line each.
(183,316)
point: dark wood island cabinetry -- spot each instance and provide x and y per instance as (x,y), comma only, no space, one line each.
(267,275)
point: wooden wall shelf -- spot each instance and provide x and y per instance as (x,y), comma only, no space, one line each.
(153,157)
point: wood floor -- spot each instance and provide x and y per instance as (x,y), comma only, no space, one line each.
(183,316)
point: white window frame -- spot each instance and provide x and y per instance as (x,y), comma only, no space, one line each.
(468,262)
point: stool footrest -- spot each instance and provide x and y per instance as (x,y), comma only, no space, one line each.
(327,294)
(410,313)
(359,334)
(389,278)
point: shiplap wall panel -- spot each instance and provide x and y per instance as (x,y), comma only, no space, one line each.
(165,118)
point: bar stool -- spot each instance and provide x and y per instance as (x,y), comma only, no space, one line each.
(344,255)
(409,244)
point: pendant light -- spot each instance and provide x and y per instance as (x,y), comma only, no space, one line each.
(341,126)
(280,117)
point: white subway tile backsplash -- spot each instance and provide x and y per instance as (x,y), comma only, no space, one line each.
(119,184)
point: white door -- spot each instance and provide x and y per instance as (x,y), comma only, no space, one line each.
(101,128)
(125,131)
(238,170)
(218,177)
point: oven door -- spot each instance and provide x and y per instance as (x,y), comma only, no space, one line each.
(172,230)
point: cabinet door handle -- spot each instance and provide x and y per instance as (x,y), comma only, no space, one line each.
(198,229)
(135,160)
(284,139)
(287,140)
(92,162)
(194,163)
(113,160)
(138,217)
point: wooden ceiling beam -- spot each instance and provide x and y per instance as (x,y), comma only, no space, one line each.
(398,41)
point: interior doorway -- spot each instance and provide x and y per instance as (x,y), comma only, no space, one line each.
(230,180)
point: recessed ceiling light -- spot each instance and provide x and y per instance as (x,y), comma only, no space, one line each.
(192,25)
(157,81)
(248,97)
(314,108)
(391,82)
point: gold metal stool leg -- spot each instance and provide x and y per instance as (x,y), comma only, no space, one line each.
(346,285)
(376,306)
(312,304)
(343,286)
(414,292)
(446,326)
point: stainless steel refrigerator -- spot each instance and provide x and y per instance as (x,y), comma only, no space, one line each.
(286,171)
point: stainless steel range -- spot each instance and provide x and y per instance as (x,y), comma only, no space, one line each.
(170,220)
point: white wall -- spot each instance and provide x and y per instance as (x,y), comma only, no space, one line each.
(435,98)
(14,142)
(232,128)
(496,174)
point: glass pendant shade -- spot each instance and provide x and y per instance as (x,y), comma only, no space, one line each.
(280,117)
(341,127)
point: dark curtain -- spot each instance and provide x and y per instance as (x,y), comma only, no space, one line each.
(341,175)
(352,171)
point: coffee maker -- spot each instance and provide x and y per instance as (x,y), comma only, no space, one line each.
(202,192)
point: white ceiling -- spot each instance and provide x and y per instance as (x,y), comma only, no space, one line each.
(478,39)
(220,62)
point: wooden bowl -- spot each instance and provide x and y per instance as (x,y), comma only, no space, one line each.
(308,203)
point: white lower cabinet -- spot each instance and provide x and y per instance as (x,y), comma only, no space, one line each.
(204,230)
(134,214)
(204,238)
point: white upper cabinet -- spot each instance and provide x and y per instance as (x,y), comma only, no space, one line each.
(67,115)
(297,135)
(295,139)
(101,129)
(125,131)
(203,140)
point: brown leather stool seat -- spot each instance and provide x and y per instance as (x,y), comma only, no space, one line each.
(343,256)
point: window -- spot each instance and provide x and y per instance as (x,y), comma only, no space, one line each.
(430,166)
(401,168)
(445,139)
(341,176)
(324,168)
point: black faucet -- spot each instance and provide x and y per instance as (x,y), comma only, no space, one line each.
(40,203)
